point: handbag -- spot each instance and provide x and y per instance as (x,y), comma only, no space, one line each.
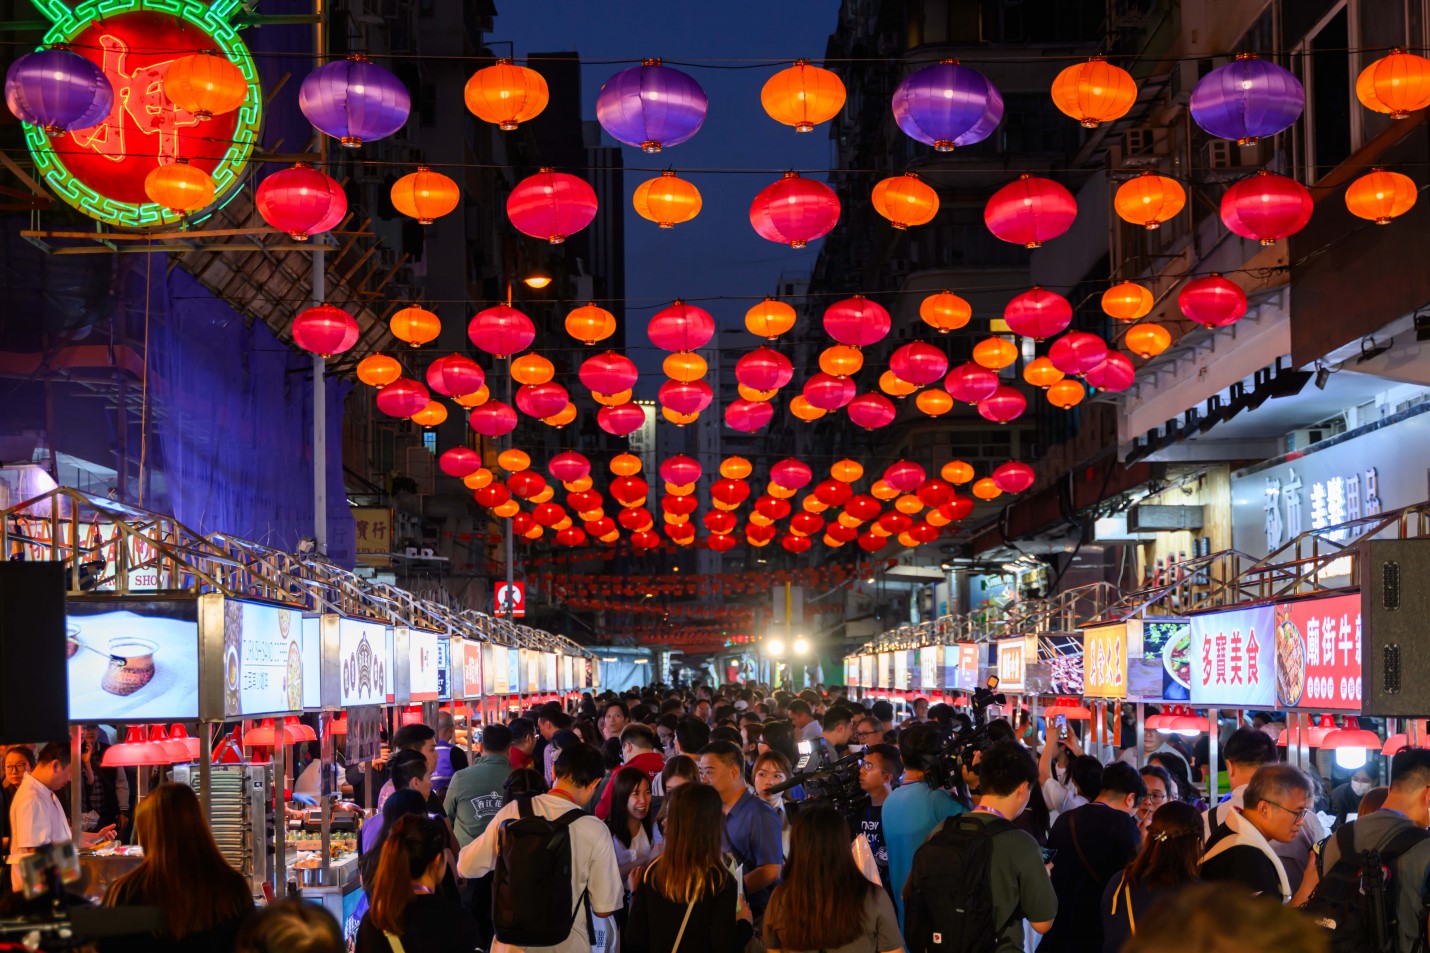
(681,935)
(394,941)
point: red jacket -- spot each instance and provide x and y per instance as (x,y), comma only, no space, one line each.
(651,762)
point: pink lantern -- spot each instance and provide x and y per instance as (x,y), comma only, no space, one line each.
(828,392)
(970,383)
(904,476)
(857,322)
(1077,352)
(460,462)
(608,373)
(681,327)
(402,398)
(1038,313)
(542,400)
(455,375)
(1013,477)
(791,474)
(551,205)
(794,211)
(1213,301)
(685,397)
(872,410)
(621,420)
(680,470)
(1114,374)
(748,415)
(1004,404)
(493,419)
(501,331)
(568,466)
(919,363)
(301,201)
(764,369)
(1029,211)
(325,330)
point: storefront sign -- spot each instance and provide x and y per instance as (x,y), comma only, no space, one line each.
(312,662)
(1057,668)
(867,674)
(1164,670)
(568,673)
(930,676)
(1105,652)
(851,671)
(501,661)
(263,653)
(373,528)
(548,681)
(1012,663)
(1234,657)
(423,665)
(474,671)
(364,648)
(1318,653)
(444,669)
(884,678)
(901,671)
(967,679)
(159,643)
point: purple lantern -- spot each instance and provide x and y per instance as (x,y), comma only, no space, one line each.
(354,101)
(1247,99)
(947,105)
(58,90)
(651,106)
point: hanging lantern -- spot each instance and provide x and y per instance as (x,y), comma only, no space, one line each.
(1066,393)
(872,411)
(506,95)
(1266,207)
(1115,374)
(425,195)
(919,363)
(680,327)
(58,90)
(857,321)
(562,417)
(720,522)
(532,369)
(681,470)
(794,211)
(800,406)
(841,360)
(1213,301)
(651,106)
(862,508)
(475,399)
(945,311)
(378,370)
(1380,196)
(568,465)
(1397,84)
(735,468)
(749,393)
(729,493)
(721,544)
(325,330)
(987,489)
(791,474)
(1038,313)
(1013,477)
(622,420)
(895,386)
(956,472)
(957,509)
(179,186)
(608,373)
(1149,200)
(833,492)
(1094,92)
(933,492)
(1127,301)
(970,383)
(667,200)
(905,200)
(685,398)
(882,491)
(934,402)
(301,201)
(431,415)
(402,398)
(1029,211)
(1247,99)
(542,400)
(904,476)
(493,419)
(894,522)
(501,331)
(1040,372)
(354,101)
(747,416)
(415,326)
(769,319)
(551,205)
(205,85)
(1077,352)
(626,464)
(872,542)
(492,495)
(764,369)
(460,462)
(803,96)
(1003,405)
(1147,340)
(847,471)
(995,353)
(827,392)
(455,374)
(947,105)
(589,323)
(684,366)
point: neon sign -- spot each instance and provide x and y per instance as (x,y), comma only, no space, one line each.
(100,171)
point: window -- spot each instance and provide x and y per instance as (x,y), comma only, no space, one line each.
(1326,138)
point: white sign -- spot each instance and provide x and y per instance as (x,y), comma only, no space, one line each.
(901,670)
(312,662)
(1012,664)
(422,665)
(501,678)
(363,648)
(1234,657)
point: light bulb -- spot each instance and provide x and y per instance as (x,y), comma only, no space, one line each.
(1350,758)
(775,647)
(801,647)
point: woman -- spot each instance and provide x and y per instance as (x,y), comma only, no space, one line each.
(202,900)
(18,762)
(779,736)
(586,731)
(1176,766)
(679,770)
(560,740)
(523,782)
(406,914)
(771,770)
(824,903)
(631,822)
(409,802)
(1167,862)
(687,901)
(1159,792)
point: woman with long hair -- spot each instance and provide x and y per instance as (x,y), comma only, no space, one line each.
(1159,791)
(687,900)
(1176,766)
(406,914)
(824,903)
(1171,852)
(631,822)
(202,900)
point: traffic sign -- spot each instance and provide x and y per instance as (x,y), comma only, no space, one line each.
(510,599)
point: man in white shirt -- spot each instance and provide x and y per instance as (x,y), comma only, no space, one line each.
(36,816)
(802,717)
(593,856)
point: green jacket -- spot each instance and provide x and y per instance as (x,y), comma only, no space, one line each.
(475,796)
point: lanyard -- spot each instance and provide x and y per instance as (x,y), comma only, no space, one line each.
(557,792)
(990,810)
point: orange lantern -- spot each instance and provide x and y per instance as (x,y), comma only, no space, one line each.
(475,399)
(769,319)
(580,485)
(685,366)
(425,195)
(1380,196)
(831,542)
(415,326)
(1147,340)
(841,360)
(613,400)
(378,370)
(882,491)
(812,504)
(759,519)
(878,530)
(668,200)
(1094,92)
(891,384)
(846,471)
(532,369)
(849,521)
(507,510)
(625,464)
(205,84)
(779,492)
(1149,200)
(945,311)
(506,94)
(547,492)
(908,504)
(735,468)
(986,489)
(995,353)
(179,186)
(477,479)
(803,96)
(758,396)
(430,416)
(905,200)
(1127,301)
(935,517)
(1397,84)
(536,531)
(589,323)
(562,417)
(514,460)
(804,410)
(956,472)
(934,402)
(680,420)
(1042,373)
(1066,393)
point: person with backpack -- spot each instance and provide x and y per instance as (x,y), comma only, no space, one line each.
(555,866)
(914,808)
(978,877)
(1274,805)
(1372,893)
(1167,862)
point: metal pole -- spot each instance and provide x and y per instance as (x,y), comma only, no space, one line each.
(1213,753)
(77,785)
(510,566)
(279,877)
(320,291)
(1141,736)
(789,627)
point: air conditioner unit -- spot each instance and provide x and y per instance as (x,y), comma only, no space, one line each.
(1301,439)
(1144,147)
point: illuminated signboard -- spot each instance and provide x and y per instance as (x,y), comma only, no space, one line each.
(1233,657)
(101,170)
(901,671)
(1012,663)
(1318,653)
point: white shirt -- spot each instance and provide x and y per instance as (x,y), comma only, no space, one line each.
(36,818)
(811,731)
(593,867)
(1294,854)
(1061,797)
(641,849)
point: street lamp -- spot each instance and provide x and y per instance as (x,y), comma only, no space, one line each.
(775,648)
(801,646)
(538,279)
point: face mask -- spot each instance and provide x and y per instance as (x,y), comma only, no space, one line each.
(1360,787)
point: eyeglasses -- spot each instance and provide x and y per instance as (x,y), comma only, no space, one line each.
(1154,797)
(16,768)
(1298,814)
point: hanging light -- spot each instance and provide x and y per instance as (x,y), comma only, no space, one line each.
(378,370)
(1247,99)
(1266,207)
(1038,313)
(667,200)
(1380,196)
(501,331)
(589,323)
(1351,742)
(1213,301)
(1094,92)
(58,90)
(425,195)
(1040,372)
(794,211)
(205,85)
(947,105)
(905,200)
(995,353)
(895,386)
(1149,200)
(945,311)
(919,363)
(1030,211)
(970,383)
(506,95)
(354,101)
(651,106)
(803,96)
(769,319)
(857,321)
(532,369)
(415,326)
(1077,352)
(179,186)
(1147,340)
(454,374)
(1013,476)
(681,327)
(841,360)
(1127,301)
(551,205)
(301,201)
(325,330)
(1397,84)
(934,402)
(1066,393)
(430,416)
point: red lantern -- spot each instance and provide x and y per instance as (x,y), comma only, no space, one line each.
(571,536)
(764,369)
(720,522)
(919,363)
(1077,352)
(806,524)
(825,392)
(872,411)
(1213,301)
(493,419)
(759,534)
(492,495)
(721,544)
(645,540)
(568,466)
(894,522)
(904,476)
(841,533)
(501,331)
(680,532)
(402,398)
(629,490)
(679,505)
(301,201)
(1013,477)
(608,373)
(791,474)
(748,415)
(542,400)
(862,507)
(1030,211)
(685,398)
(325,330)
(521,523)
(548,514)
(1038,313)
(635,517)
(935,492)
(833,492)
(730,492)
(870,542)
(794,211)
(970,383)
(460,462)
(455,375)
(1004,404)
(1115,374)
(526,484)
(796,544)
(622,419)
(680,470)
(856,321)
(958,508)
(551,205)
(771,508)
(1266,207)
(584,501)
(924,532)
(681,327)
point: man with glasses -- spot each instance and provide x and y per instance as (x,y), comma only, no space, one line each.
(1274,808)
(867,731)
(880,767)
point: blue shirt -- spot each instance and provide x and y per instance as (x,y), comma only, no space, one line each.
(752,836)
(910,815)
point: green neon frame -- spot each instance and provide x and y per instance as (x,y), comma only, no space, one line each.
(213,19)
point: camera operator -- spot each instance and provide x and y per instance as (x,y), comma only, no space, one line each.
(914,808)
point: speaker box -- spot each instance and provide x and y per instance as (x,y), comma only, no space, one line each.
(34,695)
(1395,639)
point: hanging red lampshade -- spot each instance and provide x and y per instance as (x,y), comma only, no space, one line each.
(894,522)
(1380,196)
(679,505)
(378,370)
(832,492)
(568,466)
(872,411)
(1213,301)
(958,508)
(571,536)
(1114,374)
(402,398)
(871,542)
(548,514)
(970,383)
(635,518)
(862,507)
(1266,207)
(1396,84)
(680,470)
(1066,393)
(526,484)
(935,492)
(542,400)
(621,420)
(945,311)
(772,508)
(1013,476)
(455,374)
(1077,352)
(856,321)
(682,533)
(1029,211)
(460,462)
(608,373)
(791,474)
(748,415)
(904,476)
(493,419)
(301,201)
(1127,301)
(806,524)
(919,363)
(757,534)
(681,327)
(1149,200)
(905,200)
(645,540)
(325,330)
(501,331)
(685,398)
(721,544)
(826,392)
(629,490)
(730,492)
(1004,404)
(764,369)
(1038,313)
(796,544)
(719,522)
(840,532)
(794,211)
(415,326)
(551,205)
(492,495)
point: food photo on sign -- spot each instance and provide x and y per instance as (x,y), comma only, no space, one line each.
(1058,667)
(136,663)
(1318,653)
(1165,670)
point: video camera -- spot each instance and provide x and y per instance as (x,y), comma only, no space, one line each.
(826,779)
(967,737)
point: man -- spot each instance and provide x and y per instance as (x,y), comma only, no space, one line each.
(921,710)
(1094,842)
(1016,875)
(523,743)
(691,736)
(419,738)
(1245,752)
(884,711)
(837,730)
(408,769)
(1274,804)
(473,798)
(549,720)
(802,717)
(593,856)
(36,816)
(867,731)
(914,809)
(880,767)
(614,719)
(450,758)
(702,711)
(637,751)
(752,828)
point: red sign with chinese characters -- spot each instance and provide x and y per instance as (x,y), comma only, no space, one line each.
(1318,645)
(1234,657)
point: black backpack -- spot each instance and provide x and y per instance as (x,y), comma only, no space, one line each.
(531,885)
(1356,901)
(948,898)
